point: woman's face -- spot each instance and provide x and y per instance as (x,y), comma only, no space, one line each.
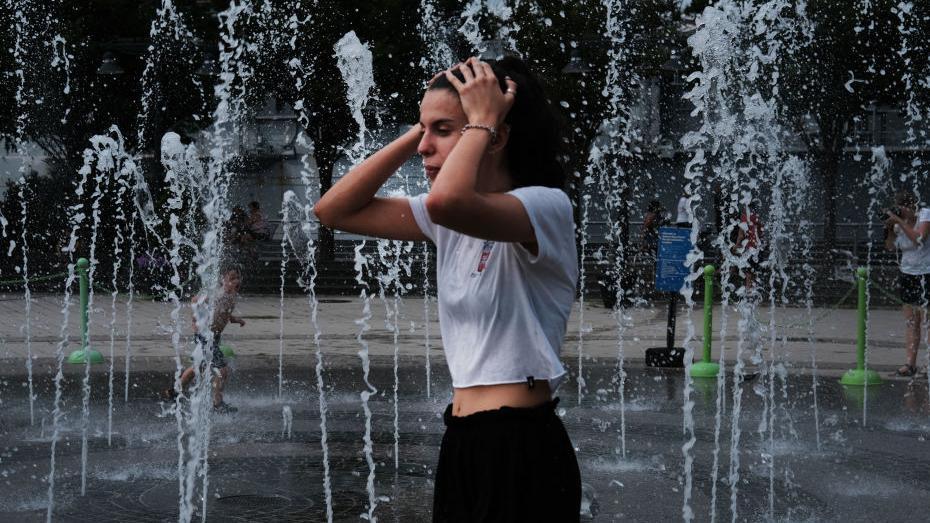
(442,119)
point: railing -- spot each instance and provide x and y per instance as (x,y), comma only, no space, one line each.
(853,237)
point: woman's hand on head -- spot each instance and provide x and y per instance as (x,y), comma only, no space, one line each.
(480,93)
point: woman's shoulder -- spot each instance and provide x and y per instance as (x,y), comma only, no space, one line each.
(541,192)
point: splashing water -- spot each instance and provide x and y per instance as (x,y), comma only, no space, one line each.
(300,73)
(354,60)
(76,218)
(287,421)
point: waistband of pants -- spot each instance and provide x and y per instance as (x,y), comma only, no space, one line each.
(484,417)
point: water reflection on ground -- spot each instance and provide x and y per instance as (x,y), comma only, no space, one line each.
(858,471)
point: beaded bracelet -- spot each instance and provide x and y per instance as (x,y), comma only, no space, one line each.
(487,128)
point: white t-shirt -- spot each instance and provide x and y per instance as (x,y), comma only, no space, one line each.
(683,210)
(503,311)
(915,260)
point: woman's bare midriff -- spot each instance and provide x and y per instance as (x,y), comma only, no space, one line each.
(469,400)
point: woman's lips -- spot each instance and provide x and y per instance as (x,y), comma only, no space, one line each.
(431,171)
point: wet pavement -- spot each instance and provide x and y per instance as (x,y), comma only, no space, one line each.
(851,469)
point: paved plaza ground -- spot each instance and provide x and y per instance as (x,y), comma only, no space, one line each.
(831,332)
(833,454)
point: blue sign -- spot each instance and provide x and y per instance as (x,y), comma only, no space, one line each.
(674,246)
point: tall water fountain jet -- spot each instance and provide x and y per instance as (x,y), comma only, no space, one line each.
(21,25)
(235,73)
(766,141)
(167,24)
(713,38)
(301,72)
(605,168)
(439,56)
(183,173)
(713,43)
(103,154)
(285,258)
(743,134)
(880,189)
(354,60)
(121,185)
(76,217)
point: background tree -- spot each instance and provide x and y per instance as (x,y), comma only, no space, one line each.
(850,63)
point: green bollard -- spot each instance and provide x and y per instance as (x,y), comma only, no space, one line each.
(707,368)
(861,376)
(80,356)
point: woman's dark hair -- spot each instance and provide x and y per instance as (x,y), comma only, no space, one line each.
(534,146)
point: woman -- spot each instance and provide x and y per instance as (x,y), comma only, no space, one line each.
(507,272)
(907,230)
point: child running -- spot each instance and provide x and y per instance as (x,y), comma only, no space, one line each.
(225,302)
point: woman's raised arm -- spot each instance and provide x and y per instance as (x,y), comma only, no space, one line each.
(917,233)
(351,205)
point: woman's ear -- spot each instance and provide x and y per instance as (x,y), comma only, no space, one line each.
(503,135)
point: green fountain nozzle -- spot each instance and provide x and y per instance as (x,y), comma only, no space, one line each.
(85,354)
(860,376)
(79,357)
(707,368)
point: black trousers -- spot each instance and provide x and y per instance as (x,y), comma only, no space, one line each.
(510,464)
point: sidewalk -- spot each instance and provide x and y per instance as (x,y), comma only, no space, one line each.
(833,331)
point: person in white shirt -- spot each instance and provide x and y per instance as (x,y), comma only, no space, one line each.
(507,272)
(906,229)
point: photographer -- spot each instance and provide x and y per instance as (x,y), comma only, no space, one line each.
(906,229)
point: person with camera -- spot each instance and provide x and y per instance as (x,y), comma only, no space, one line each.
(906,229)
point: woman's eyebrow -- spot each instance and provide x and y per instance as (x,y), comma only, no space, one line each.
(440,121)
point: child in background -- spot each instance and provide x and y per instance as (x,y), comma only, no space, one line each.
(225,302)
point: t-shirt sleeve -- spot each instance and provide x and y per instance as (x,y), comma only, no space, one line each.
(418,206)
(550,213)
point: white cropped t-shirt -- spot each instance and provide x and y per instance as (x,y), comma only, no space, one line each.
(502,310)
(915,259)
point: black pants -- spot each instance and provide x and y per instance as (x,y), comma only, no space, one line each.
(510,464)
(914,289)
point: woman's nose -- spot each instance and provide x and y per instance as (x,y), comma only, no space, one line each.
(425,147)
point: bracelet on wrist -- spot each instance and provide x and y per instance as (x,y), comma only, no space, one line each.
(491,130)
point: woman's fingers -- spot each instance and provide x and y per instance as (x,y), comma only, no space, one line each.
(466,71)
(486,69)
(453,80)
(435,76)
(511,92)
(476,67)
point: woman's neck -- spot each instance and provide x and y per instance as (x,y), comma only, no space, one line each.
(493,176)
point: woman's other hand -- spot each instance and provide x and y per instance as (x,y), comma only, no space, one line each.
(480,93)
